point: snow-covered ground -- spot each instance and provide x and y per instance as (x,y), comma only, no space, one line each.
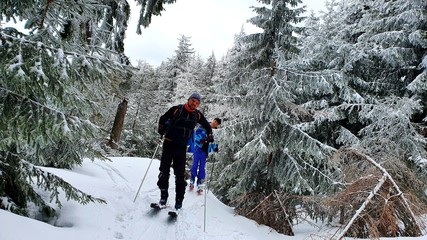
(121,218)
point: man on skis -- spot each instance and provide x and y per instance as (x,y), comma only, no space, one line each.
(177,125)
(202,147)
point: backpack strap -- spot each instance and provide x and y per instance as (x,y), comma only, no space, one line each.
(177,112)
(175,117)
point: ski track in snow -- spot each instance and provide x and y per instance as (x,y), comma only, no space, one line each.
(158,223)
(125,219)
(140,221)
(112,171)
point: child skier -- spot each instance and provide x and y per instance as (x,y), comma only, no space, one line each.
(200,152)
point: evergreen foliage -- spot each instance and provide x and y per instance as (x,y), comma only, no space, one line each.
(148,9)
(52,79)
(277,35)
(383,66)
(270,144)
(358,82)
(209,69)
(139,135)
(182,74)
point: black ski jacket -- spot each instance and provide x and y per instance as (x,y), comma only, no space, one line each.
(180,124)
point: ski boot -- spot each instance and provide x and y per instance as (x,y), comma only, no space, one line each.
(163,197)
(178,204)
(200,187)
(191,187)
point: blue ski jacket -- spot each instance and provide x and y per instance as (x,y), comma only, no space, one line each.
(199,140)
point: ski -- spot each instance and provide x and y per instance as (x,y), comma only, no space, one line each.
(173,216)
(173,213)
(155,209)
(157,206)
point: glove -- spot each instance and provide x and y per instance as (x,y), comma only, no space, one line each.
(214,147)
(203,140)
(161,130)
(210,138)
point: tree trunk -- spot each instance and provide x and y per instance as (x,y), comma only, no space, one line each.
(118,124)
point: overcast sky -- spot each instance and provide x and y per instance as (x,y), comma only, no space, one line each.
(211,24)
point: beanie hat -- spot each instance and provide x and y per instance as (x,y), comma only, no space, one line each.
(196,96)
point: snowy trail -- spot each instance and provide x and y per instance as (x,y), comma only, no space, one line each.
(137,221)
(121,218)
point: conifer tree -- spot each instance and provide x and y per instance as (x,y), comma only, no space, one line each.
(277,37)
(265,130)
(178,74)
(140,130)
(204,85)
(209,69)
(226,76)
(382,52)
(184,54)
(52,80)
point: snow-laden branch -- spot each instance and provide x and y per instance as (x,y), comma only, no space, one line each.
(69,53)
(64,119)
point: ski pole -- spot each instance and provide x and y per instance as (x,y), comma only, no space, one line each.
(207,191)
(210,176)
(204,215)
(145,175)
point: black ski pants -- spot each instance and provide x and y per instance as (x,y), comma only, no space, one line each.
(175,156)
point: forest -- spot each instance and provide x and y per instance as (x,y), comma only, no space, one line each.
(324,117)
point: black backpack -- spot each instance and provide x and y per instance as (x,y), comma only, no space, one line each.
(176,118)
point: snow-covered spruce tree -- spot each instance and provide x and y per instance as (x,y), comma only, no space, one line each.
(203,73)
(373,47)
(195,76)
(277,20)
(209,69)
(184,54)
(182,70)
(249,92)
(51,80)
(228,94)
(229,67)
(205,85)
(140,129)
(381,47)
(264,147)
(215,103)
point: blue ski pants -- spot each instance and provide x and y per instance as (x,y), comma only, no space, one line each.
(198,167)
